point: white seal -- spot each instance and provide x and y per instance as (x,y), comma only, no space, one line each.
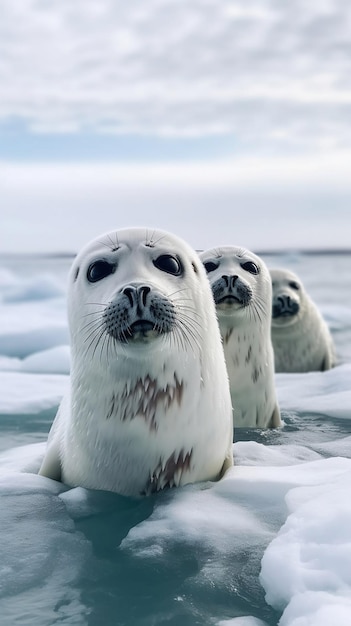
(242,291)
(301,338)
(149,404)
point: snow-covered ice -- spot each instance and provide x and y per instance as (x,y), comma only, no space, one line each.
(269,544)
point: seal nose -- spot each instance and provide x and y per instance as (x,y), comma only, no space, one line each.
(137,295)
(283,304)
(230,281)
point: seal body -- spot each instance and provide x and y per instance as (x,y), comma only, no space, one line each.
(242,292)
(149,403)
(301,338)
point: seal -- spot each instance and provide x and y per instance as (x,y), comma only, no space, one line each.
(242,292)
(149,403)
(301,338)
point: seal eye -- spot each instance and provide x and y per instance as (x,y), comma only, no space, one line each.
(294,285)
(169,264)
(210,266)
(251,267)
(99,270)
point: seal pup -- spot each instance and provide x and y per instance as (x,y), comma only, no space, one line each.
(242,292)
(149,404)
(301,338)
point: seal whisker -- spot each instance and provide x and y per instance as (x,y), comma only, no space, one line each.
(98,320)
(104,341)
(174,293)
(254,312)
(189,331)
(96,337)
(181,339)
(191,310)
(261,308)
(111,345)
(194,323)
(111,245)
(149,241)
(93,331)
(99,337)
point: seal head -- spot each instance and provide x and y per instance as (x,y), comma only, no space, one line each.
(301,339)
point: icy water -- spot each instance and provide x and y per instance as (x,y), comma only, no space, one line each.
(269,544)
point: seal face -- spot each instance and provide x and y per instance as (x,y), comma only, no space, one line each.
(301,339)
(149,405)
(242,292)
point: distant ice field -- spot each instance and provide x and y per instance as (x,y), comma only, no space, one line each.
(269,544)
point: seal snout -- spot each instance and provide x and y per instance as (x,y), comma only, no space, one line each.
(138,312)
(230,289)
(284,306)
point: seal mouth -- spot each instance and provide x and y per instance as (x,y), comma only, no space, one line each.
(284,307)
(284,314)
(139,331)
(141,326)
(284,319)
(230,300)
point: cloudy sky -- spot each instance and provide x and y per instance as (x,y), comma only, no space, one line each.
(224,121)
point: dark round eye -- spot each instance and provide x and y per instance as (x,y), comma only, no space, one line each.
(210,266)
(169,264)
(294,285)
(251,267)
(99,270)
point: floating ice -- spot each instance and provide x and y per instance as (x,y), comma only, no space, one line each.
(41,553)
(317,392)
(30,393)
(51,361)
(312,552)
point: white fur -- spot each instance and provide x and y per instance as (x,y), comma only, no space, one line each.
(103,438)
(301,342)
(246,338)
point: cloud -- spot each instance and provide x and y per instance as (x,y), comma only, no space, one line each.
(267,71)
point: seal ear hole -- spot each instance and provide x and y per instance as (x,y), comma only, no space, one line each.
(99,270)
(210,266)
(76,275)
(195,268)
(251,267)
(294,285)
(169,264)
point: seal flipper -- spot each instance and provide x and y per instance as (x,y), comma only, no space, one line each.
(275,421)
(327,363)
(228,462)
(51,465)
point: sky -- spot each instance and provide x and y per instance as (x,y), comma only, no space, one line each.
(224,122)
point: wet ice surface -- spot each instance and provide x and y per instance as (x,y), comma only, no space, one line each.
(269,544)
